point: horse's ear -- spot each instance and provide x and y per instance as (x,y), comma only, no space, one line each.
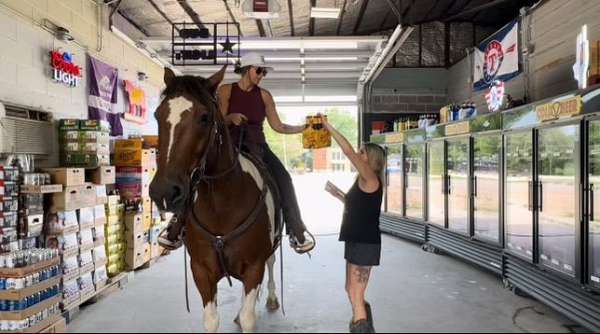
(216,78)
(169,76)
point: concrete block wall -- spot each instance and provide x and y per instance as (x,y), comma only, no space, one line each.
(26,46)
(25,72)
(409,90)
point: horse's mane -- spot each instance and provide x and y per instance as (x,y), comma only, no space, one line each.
(192,85)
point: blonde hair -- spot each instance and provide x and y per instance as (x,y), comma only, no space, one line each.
(376,156)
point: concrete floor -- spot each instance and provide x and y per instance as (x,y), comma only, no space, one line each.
(413,291)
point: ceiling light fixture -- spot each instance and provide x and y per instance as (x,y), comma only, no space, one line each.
(324,13)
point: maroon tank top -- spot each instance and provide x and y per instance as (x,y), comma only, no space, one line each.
(251,105)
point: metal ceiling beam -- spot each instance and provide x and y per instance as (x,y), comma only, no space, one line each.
(341,19)
(232,16)
(361,13)
(311,24)
(261,28)
(476,9)
(161,12)
(133,23)
(407,11)
(291,11)
(395,9)
(191,13)
(428,14)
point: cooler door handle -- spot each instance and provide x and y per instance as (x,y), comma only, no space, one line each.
(541,196)
(443,184)
(475,186)
(592,202)
(449,185)
(530,195)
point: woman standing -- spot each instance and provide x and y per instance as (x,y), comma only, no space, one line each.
(360,225)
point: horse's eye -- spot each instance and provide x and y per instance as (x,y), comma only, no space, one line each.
(204,119)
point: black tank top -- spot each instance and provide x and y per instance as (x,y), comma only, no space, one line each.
(361,216)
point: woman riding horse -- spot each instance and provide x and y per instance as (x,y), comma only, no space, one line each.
(246,103)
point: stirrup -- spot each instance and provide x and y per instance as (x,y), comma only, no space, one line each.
(306,247)
(167,243)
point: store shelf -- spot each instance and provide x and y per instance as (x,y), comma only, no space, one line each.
(23,293)
(25,271)
(41,326)
(33,310)
(46,189)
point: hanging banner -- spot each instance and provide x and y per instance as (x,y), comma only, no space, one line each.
(137,103)
(102,99)
(497,58)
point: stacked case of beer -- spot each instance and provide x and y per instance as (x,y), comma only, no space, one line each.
(115,236)
(9,192)
(136,167)
(102,178)
(84,143)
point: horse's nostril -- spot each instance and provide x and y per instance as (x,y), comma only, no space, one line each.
(177,194)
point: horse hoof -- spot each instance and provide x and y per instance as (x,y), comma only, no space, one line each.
(272,305)
(237,321)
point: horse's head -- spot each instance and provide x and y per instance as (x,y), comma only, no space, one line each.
(188,123)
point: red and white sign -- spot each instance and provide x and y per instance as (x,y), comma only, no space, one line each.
(498,58)
(63,68)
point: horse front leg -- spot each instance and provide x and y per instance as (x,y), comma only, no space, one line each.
(272,302)
(251,281)
(207,286)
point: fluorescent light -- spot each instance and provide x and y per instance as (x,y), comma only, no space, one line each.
(324,13)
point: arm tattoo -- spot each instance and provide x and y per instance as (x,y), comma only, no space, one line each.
(363,274)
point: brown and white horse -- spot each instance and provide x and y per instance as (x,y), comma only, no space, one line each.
(228,211)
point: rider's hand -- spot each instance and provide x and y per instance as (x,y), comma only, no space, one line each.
(237,119)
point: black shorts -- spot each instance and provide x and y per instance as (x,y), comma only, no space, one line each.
(362,254)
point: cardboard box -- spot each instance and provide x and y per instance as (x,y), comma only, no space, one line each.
(155,250)
(134,223)
(86,217)
(87,160)
(100,137)
(114,229)
(93,125)
(137,257)
(135,157)
(115,209)
(68,124)
(150,142)
(147,205)
(67,176)
(133,190)
(104,175)
(99,215)
(135,240)
(101,197)
(74,197)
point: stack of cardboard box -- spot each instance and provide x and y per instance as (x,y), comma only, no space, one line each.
(9,207)
(102,178)
(136,167)
(71,229)
(84,143)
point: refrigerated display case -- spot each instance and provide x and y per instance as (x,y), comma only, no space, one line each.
(486,187)
(458,184)
(414,174)
(593,174)
(395,184)
(558,197)
(436,183)
(519,224)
